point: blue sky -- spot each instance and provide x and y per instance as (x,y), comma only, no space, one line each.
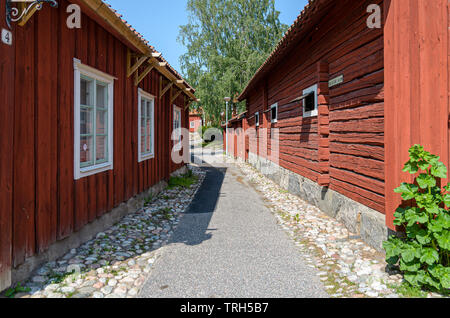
(158,21)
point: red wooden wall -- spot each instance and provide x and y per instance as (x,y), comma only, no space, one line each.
(417,85)
(40,202)
(6,154)
(354,125)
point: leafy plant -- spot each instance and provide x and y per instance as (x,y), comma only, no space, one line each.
(183,181)
(11,293)
(423,255)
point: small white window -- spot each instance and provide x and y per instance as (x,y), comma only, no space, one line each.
(177,127)
(274,113)
(93,131)
(192,124)
(146,127)
(257,119)
(310,102)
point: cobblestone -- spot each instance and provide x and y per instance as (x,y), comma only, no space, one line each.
(118,261)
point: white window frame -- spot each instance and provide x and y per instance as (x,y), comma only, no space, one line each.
(82,69)
(274,121)
(177,145)
(142,157)
(315,112)
(257,119)
(193,124)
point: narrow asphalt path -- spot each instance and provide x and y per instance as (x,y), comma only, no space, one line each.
(229,245)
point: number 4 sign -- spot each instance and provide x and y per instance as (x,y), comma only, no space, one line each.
(6,37)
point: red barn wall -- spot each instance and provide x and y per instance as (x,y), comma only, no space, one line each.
(40,202)
(417,51)
(343,41)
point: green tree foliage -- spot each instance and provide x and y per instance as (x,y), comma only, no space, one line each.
(423,255)
(226,41)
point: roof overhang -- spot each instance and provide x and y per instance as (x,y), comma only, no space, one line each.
(109,19)
(308,19)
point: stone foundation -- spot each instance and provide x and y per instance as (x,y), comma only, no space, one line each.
(358,218)
(88,232)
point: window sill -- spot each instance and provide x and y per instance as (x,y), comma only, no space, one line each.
(146,157)
(310,114)
(89,171)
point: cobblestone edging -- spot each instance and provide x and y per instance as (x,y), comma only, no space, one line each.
(347,266)
(358,218)
(118,261)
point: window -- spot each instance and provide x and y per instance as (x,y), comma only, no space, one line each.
(177,127)
(274,113)
(310,102)
(192,124)
(257,119)
(146,127)
(93,138)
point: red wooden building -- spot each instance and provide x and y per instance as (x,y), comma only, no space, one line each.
(349,100)
(195,120)
(86,121)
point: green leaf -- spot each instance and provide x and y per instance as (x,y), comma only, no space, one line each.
(442,273)
(421,235)
(413,278)
(414,216)
(408,191)
(411,167)
(392,247)
(411,267)
(424,165)
(439,170)
(410,252)
(429,256)
(447,199)
(443,240)
(425,180)
(399,217)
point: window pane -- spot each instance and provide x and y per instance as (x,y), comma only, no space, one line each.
(143,130)
(86,121)
(86,147)
(101,148)
(102,122)
(149,133)
(143,138)
(143,114)
(102,97)
(149,109)
(86,92)
(310,103)
(274,113)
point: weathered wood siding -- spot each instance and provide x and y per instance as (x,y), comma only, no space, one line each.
(355,122)
(40,202)
(6,154)
(417,49)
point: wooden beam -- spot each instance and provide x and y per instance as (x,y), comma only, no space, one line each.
(156,55)
(144,74)
(165,89)
(172,99)
(188,104)
(136,66)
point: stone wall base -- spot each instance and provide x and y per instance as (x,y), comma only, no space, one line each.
(87,233)
(369,224)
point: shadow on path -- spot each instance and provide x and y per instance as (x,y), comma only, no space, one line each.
(193,226)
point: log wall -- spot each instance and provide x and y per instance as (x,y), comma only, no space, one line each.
(353,127)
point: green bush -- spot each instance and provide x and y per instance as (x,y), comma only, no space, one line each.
(423,254)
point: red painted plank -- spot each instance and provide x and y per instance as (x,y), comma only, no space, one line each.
(24,243)
(66,51)
(46,130)
(6,159)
